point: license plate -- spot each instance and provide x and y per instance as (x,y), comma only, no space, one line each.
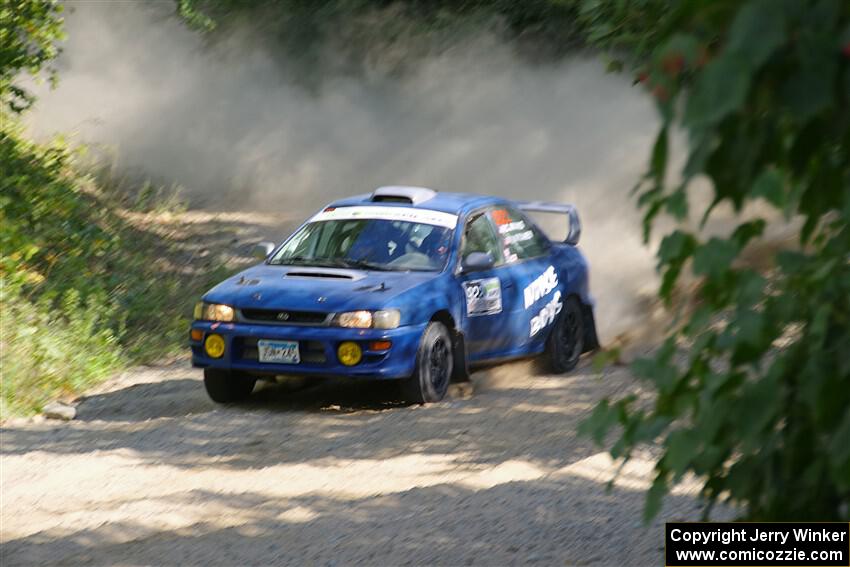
(284,352)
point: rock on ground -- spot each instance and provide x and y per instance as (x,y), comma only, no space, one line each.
(59,410)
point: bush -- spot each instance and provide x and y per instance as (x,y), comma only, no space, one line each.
(753,389)
(84,290)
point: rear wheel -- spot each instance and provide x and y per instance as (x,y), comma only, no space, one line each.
(434,362)
(224,386)
(566,342)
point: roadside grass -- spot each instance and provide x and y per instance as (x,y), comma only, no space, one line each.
(89,282)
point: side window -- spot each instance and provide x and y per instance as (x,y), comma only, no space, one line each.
(518,236)
(478,237)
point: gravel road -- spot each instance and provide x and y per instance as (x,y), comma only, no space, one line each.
(152,472)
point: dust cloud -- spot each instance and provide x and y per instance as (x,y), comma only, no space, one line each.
(236,130)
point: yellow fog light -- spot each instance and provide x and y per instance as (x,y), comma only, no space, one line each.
(349,353)
(214,345)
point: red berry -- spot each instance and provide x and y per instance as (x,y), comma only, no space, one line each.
(673,64)
(660,93)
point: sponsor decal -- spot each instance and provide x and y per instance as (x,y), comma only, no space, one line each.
(501,217)
(511,227)
(547,315)
(545,282)
(519,237)
(483,297)
(406,214)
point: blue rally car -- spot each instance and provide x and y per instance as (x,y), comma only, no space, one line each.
(402,284)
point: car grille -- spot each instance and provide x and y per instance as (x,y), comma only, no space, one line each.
(311,352)
(285,317)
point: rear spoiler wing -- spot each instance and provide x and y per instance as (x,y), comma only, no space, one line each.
(574,223)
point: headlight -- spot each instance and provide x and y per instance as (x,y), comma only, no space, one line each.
(214,312)
(388,319)
(357,319)
(384,319)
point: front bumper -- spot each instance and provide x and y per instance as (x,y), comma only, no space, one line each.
(318,348)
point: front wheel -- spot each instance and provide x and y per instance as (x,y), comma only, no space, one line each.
(566,343)
(224,386)
(434,361)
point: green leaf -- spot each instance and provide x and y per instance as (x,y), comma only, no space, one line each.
(839,450)
(719,90)
(755,411)
(757,31)
(674,246)
(714,257)
(750,289)
(819,324)
(770,185)
(658,162)
(809,91)
(824,271)
(596,426)
(747,231)
(791,261)
(677,204)
(614,66)
(655,497)
(749,339)
(681,447)
(681,45)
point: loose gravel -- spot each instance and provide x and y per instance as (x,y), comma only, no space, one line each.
(327,473)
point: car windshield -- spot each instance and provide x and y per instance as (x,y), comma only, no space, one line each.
(371,244)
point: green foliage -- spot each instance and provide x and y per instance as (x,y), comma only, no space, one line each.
(29,30)
(85,290)
(365,35)
(49,351)
(753,389)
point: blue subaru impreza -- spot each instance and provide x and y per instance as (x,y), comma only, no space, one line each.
(402,284)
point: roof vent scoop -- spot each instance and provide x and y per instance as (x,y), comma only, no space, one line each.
(399,194)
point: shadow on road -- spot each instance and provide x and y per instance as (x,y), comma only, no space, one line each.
(171,420)
(328,473)
(186,396)
(569,521)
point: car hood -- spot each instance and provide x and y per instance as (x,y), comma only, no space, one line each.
(314,289)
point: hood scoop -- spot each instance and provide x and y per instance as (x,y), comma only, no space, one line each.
(317,275)
(323,273)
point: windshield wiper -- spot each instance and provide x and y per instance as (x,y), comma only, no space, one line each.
(293,261)
(304,261)
(333,263)
(364,265)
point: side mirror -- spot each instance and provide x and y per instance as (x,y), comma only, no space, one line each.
(262,250)
(477,261)
(574,230)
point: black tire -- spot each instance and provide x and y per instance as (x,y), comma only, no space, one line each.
(566,342)
(224,386)
(434,364)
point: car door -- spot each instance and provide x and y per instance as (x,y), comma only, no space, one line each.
(527,254)
(490,295)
